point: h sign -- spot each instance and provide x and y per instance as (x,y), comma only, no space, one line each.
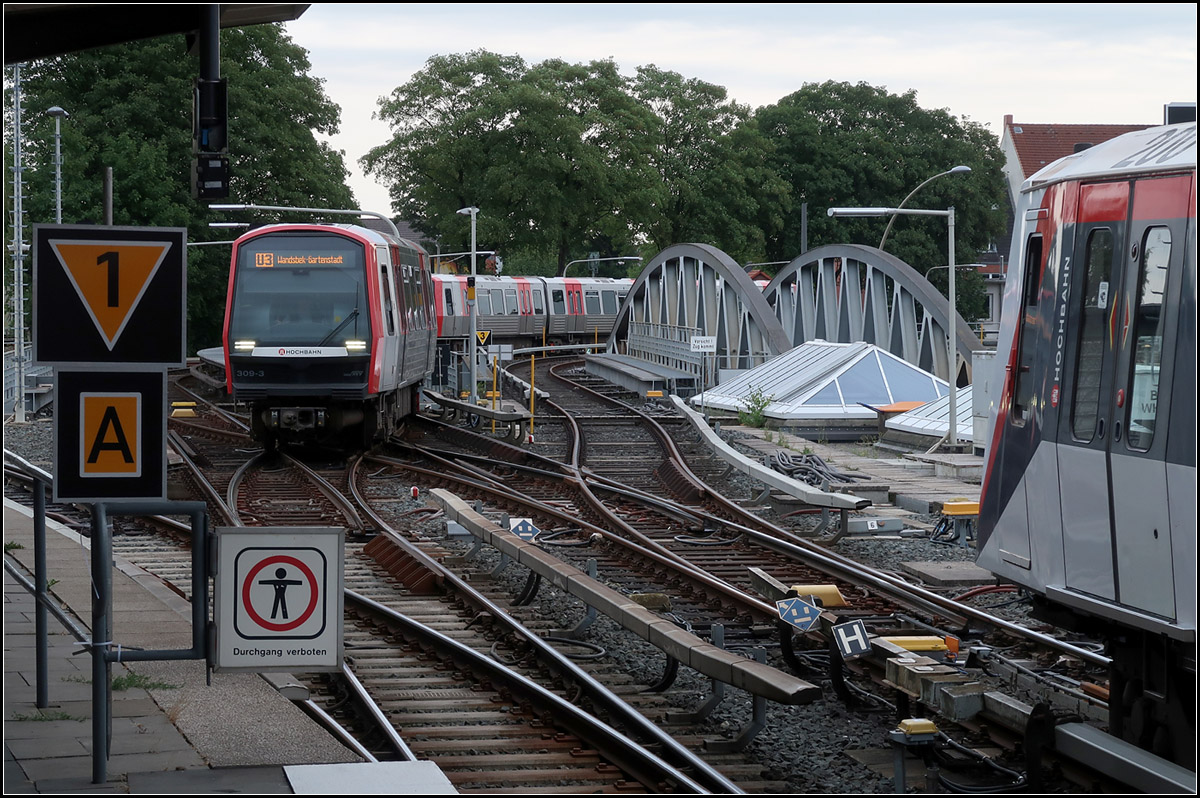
(852,639)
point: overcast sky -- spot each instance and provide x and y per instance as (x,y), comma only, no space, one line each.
(1115,63)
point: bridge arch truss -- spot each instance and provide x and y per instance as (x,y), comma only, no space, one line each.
(696,290)
(849,293)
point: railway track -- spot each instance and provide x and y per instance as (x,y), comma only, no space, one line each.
(386,486)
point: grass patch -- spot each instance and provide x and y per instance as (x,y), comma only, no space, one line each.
(128,681)
(12,545)
(57,714)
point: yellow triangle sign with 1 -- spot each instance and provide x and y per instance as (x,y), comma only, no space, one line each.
(110,277)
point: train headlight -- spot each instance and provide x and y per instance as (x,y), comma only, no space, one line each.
(356,346)
(243,346)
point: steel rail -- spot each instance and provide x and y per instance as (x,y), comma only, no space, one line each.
(892,587)
(672,750)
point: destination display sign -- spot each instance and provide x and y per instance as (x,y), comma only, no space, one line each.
(109,295)
(269,260)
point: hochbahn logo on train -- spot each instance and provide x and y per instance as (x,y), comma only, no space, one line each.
(279,599)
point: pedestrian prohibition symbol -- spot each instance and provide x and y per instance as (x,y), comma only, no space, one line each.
(278,598)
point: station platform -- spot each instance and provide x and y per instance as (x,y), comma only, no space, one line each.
(642,376)
(172,732)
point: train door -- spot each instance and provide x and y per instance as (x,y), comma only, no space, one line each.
(575,315)
(1086,350)
(389,357)
(1120,387)
(1144,373)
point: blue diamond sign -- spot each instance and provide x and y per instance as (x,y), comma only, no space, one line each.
(798,613)
(523,528)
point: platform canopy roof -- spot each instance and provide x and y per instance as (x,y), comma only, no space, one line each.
(42,30)
(826,380)
(933,418)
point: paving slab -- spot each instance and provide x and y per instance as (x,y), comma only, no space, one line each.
(950,574)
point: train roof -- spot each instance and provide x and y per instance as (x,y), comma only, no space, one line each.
(367,233)
(1168,148)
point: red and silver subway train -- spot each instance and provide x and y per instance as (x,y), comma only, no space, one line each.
(530,311)
(1089,494)
(329,331)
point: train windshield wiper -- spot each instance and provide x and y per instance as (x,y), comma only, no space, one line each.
(349,318)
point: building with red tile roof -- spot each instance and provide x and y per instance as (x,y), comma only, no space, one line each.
(1028,147)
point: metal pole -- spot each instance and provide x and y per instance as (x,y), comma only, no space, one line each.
(101,640)
(41,615)
(18,252)
(955,171)
(953,338)
(58,168)
(472,306)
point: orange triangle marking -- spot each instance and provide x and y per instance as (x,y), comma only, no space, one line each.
(110,277)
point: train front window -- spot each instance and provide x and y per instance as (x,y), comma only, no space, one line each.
(1148,338)
(301,290)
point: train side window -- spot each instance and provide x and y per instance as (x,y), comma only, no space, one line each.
(497,301)
(538,307)
(510,301)
(1089,357)
(591,303)
(449,291)
(1148,332)
(1023,383)
(389,311)
(609,299)
(483,302)
(557,302)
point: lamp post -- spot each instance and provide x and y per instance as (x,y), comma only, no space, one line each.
(958,170)
(593,260)
(472,308)
(951,325)
(59,115)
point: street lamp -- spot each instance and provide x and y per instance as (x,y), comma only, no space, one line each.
(951,321)
(958,170)
(563,273)
(472,309)
(59,114)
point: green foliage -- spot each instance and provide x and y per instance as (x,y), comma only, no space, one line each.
(566,159)
(838,144)
(12,545)
(716,186)
(130,109)
(755,414)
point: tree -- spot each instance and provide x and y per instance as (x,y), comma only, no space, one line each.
(565,159)
(716,184)
(131,110)
(838,144)
(552,154)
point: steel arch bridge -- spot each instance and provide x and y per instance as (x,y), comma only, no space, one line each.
(695,289)
(844,293)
